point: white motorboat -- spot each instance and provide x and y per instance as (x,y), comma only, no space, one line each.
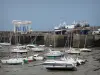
(60,64)
(12,61)
(35,48)
(37,57)
(85,50)
(72,51)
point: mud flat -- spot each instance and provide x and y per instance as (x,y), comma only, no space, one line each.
(91,67)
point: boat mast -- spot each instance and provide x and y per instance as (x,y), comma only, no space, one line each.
(85,41)
(10,43)
(54,40)
(79,42)
(70,39)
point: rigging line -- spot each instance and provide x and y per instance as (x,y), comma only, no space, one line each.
(85,41)
(35,38)
(66,43)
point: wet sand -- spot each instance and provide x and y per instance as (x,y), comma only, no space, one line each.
(91,67)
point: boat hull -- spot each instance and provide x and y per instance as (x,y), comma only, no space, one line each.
(85,50)
(38,58)
(37,49)
(12,61)
(52,64)
(19,51)
(60,67)
(72,51)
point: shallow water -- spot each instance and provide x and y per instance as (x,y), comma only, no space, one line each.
(33,68)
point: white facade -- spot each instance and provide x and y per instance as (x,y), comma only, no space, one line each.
(64,25)
(69,26)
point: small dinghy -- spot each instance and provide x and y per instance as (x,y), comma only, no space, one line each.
(85,50)
(37,57)
(28,59)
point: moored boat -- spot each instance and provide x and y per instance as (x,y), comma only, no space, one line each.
(72,51)
(19,49)
(53,54)
(5,44)
(37,57)
(12,61)
(28,59)
(60,64)
(85,50)
(35,48)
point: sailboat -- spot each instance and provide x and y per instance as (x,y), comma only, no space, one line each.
(19,49)
(72,50)
(13,61)
(52,54)
(85,49)
(35,48)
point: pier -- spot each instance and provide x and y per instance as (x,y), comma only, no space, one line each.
(48,38)
(14,38)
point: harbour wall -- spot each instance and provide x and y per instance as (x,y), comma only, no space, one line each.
(83,40)
(49,38)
